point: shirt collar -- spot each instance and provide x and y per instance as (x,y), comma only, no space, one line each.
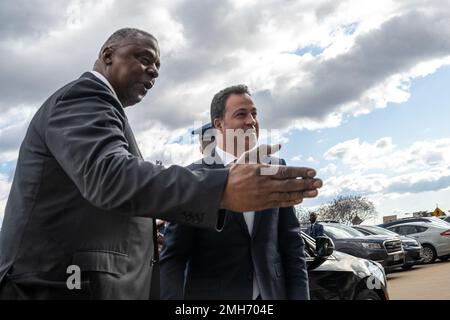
(226,157)
(105,81)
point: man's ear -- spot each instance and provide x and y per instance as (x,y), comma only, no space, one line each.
(107,55)
(218,124)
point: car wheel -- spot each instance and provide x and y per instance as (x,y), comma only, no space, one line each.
(429,254)
(367,294)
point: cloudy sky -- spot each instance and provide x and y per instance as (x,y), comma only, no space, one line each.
(356,89)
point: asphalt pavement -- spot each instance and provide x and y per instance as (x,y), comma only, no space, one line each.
(423,282)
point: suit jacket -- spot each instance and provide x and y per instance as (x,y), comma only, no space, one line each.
(82,195)
(200,264)
(316,230)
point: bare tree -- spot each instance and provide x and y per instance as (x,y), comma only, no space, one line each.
(352,209)
(302,214)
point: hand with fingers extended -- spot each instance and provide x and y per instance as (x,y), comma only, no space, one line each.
(254,186)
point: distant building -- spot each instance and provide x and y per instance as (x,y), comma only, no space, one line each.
(387,219)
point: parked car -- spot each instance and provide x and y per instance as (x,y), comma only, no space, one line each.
(446,219)
(414,219)
(334,275)
(386,250)
(413,249)
(433,235)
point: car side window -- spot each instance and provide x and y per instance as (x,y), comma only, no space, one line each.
(394,229)
(420,229)
(405,230)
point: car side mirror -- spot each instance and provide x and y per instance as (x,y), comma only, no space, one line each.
(324,247)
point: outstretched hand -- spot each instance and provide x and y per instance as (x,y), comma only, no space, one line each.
(254,186)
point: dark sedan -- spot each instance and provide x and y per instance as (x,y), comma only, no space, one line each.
(386,250)
(413,249)
(334,275)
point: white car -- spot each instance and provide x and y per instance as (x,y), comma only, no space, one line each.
(433,234)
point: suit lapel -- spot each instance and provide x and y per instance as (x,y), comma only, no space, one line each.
(132,144)
(215,162)
(258,216)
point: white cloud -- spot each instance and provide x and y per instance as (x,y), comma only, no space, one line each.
(330,169)
(381,170)
(209,45)
(176,147)
(363,156)
(357,154)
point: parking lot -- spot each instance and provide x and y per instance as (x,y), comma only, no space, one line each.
(427,282)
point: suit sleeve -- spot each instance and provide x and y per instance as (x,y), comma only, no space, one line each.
(176,252)
(85,134)
(292,250)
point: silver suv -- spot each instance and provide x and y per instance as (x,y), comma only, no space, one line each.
(433,235)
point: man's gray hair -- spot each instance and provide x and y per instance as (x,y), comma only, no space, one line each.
(125,33)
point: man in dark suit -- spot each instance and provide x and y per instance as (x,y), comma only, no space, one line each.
(257,255)
(315,229)
(79,217)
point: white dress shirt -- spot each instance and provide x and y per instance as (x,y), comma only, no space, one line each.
(105,81)
(249,216)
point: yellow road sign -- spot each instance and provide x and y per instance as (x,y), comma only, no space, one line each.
(437,212)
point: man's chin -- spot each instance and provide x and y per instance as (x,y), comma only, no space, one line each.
(134,100)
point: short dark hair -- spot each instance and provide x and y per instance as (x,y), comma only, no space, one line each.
(221,97)
(124,33)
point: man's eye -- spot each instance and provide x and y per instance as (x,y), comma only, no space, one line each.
(145,61)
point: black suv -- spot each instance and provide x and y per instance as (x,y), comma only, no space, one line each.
(386,250)
(413,249)
(335,275)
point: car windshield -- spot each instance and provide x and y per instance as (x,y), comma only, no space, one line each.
(342,232)
(382,231)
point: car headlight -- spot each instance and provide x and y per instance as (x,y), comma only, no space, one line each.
(371,245)
(412,243)
(376,270)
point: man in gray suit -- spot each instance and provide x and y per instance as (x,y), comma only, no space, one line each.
(79,221)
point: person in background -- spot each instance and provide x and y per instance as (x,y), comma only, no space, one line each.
(315,229)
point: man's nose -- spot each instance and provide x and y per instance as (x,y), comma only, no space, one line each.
(250,120)
(153,71)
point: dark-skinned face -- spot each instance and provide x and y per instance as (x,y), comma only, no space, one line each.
(132,67)
(312,218)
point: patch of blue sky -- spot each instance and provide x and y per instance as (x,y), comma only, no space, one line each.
(311,49)
(350,29)
(425,116)
(7,168)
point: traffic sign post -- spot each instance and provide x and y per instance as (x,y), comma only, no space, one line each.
(437,212)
